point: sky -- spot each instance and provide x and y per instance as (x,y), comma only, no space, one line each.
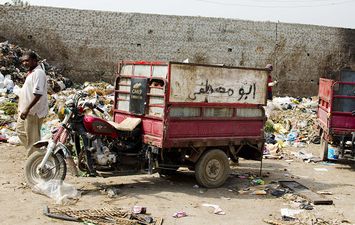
(334,13)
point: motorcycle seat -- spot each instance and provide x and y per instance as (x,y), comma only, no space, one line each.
(127,124)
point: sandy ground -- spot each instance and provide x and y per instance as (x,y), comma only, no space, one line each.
(164,197)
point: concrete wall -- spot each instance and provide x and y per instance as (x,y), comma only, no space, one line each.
(88,44)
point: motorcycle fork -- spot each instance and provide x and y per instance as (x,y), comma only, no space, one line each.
(60,136)
(49,151)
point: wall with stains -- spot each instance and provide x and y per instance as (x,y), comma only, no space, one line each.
(88,44)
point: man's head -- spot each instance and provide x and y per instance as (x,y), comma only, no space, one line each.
(30,60)
(269,67)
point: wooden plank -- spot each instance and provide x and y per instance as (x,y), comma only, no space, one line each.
(159,221)
(306,193)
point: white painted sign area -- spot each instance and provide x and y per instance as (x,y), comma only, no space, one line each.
(216,84)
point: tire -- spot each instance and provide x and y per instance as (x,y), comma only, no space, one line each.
(323,148)
(212,169)
(56,164)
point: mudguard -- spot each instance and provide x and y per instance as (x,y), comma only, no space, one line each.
(59,147)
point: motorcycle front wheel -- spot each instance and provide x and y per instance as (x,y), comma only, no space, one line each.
(54,169)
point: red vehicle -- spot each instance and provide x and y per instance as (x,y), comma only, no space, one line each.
(166,115)
(335,112)
(193,115)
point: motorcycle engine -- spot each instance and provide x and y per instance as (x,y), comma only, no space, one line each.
(103,156)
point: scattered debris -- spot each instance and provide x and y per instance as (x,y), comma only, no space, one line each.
(278,192)
(112,192)
(61,192)
(139,209)
(102,216)
(260,192)
(289,214)
(180,214)
(217,209)
(303,191)
(257,181)
(306,206)
(324,193)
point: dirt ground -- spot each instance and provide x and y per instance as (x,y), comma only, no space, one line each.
(164,197)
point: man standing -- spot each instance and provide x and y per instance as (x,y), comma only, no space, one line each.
(270,83)
(33,103)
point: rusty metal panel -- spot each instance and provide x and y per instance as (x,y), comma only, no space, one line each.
(216,84)
(325,89)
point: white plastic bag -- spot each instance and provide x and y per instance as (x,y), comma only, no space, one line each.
(16,90)
(61,192)
(1,77)
(14,140)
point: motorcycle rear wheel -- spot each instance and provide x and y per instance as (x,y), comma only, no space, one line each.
(56,168)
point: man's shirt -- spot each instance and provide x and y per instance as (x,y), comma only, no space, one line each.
(35,83)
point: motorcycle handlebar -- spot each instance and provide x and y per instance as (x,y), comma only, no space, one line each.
(93,106)
(99,109)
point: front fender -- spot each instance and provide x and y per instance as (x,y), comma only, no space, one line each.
(41,143)
(58,148)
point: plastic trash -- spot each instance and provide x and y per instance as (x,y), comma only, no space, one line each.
(1,77)
(257,181)
(306,206)
(61,192)
(290,214)
(14,140)
(217,209)
(179,214)
(278,192)
(302,154)
(8,83)
(61,85)
(333,152)
(292,136)
(3,138)
(279,129)
(112,192)
(16,90)
(139,209)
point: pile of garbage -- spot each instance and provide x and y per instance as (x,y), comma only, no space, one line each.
(291,122)
(14,74)
(12,77)
(100,92)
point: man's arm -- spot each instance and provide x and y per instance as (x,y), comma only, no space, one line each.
(27,110)
(271,84)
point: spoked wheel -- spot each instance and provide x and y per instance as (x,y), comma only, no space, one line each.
(54,169)
(212,169)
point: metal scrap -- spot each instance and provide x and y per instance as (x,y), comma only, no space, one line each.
(103,216)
